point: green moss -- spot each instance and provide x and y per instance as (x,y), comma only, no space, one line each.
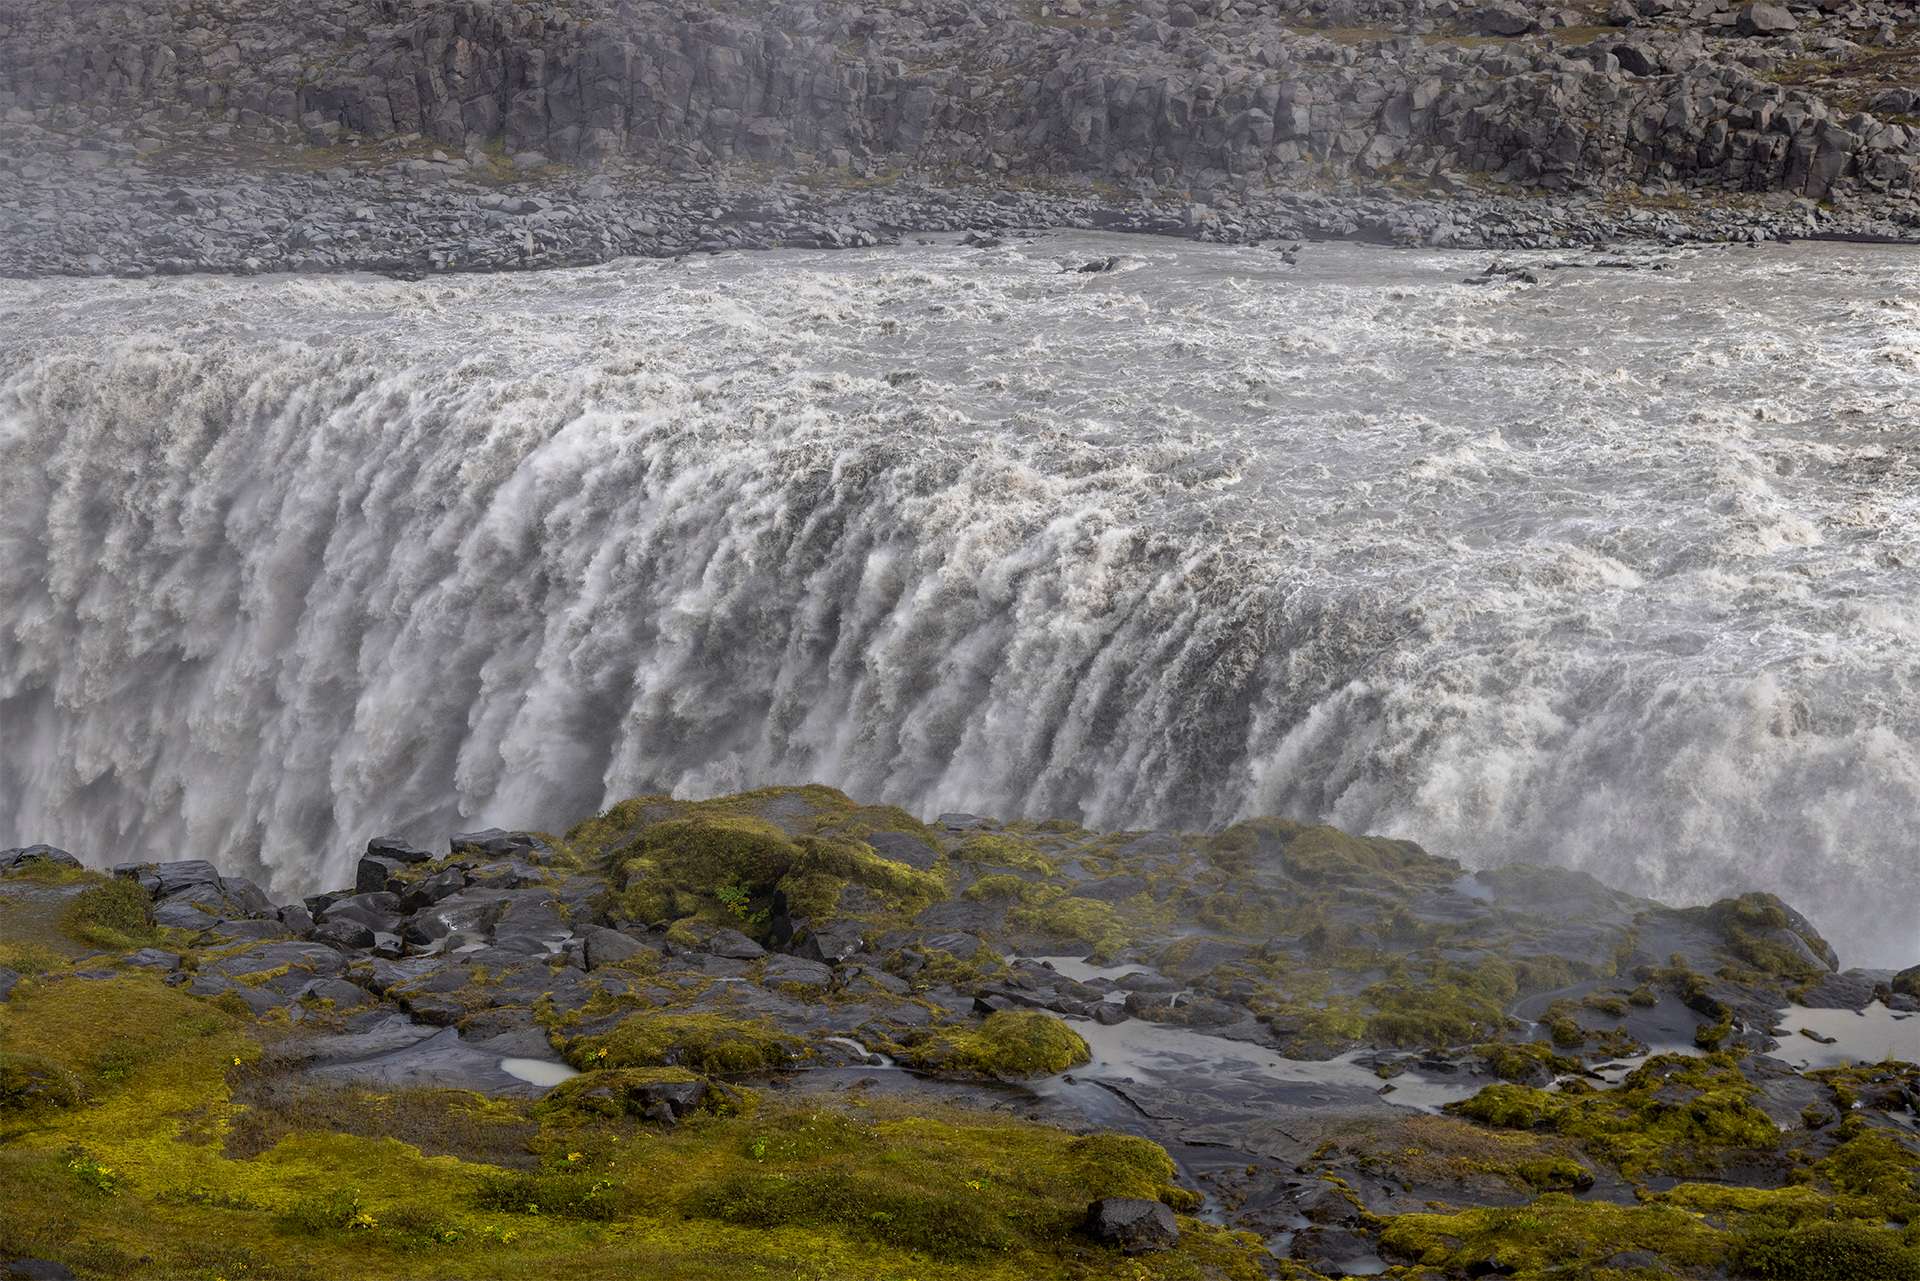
(31,959)
(159,1172)
(114,914)
(1078,920)
(1555,1235)
(1318,854)
(730,867)
(1746,923)
(1671,1115)
(998,887)
(1523,1061)
(1831,1251)
(1447,1005)
(710,1044)
(1010,1043)
(30,1081)
(996,849)
(943,1188)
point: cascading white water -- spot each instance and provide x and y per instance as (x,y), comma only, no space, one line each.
(1603,573)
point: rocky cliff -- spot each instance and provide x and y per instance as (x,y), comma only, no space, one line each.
(1218,98)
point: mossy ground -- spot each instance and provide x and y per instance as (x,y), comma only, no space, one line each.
(152,1164)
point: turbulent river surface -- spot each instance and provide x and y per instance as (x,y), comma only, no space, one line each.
(1620,570)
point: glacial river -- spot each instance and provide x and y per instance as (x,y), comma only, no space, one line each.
(1619,570)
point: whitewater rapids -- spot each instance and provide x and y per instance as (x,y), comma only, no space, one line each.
(1618,571)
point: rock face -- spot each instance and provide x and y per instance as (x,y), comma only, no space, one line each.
(1133,1225)
(1225,95)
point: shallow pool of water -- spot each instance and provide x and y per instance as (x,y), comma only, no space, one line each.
(542,1072)
(1871,1035)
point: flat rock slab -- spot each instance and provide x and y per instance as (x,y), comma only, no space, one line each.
(404,1055)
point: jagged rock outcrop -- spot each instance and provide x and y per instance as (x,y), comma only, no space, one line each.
(1218,95)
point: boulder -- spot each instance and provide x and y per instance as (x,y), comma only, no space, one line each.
(608,947)
(399,851)
(734,945)
(164,879)
(1502,20)
(832,945)
(1765,20)
(22,855)
(376,872)
(1132,1225)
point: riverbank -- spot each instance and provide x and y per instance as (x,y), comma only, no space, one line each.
(695,1037)
(74,212)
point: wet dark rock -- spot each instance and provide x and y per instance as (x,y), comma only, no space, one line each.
(345,933)
(904,848)
(493,843)
(396,850)
(8,981)
(797,972)
(1132,1225)
(608,947)
(23,855)
(153,958)
(831,945)
(433,889)
(734,945)
(376,872)
(163,880)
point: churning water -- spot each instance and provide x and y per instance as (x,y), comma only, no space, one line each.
(1618,570)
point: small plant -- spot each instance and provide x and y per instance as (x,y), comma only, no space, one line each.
(737,897)
(101,1178)
(337,1211)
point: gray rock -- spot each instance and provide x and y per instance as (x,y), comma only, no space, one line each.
(734,945)
(345,933)
(153,958)
(797,972)
(1766,20)
(832,945)
(22,855)
(1132,1225)
(397,850)
(904,848)
(608,947)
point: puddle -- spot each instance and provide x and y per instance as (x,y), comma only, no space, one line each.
(870,1058)
(1081,970)
(541,1072)
(1869,1036)
(1151,1054)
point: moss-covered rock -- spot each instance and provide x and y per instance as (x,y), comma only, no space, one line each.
(1830,1251)
(708,1044)
(749,872)
(1010,1043)
(1673,1115)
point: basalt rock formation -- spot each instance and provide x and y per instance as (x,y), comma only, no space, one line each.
(696,1039)
(1215,96)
